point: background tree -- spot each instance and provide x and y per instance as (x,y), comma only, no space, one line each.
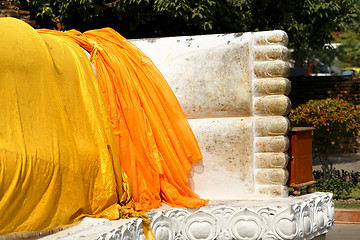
(309,23)
(348,53)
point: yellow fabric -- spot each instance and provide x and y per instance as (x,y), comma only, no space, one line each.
(58,157)
(65,136)
(156,144)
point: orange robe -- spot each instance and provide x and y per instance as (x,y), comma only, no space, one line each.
(156,144)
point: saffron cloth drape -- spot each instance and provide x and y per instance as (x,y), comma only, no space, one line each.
(156,144)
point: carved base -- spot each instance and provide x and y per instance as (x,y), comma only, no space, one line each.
(303,217)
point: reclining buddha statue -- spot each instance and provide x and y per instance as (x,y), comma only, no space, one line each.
(74,143)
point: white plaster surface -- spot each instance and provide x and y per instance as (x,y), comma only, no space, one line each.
(232,90)
(227,169)
(210,75)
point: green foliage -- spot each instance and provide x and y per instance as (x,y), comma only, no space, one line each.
(341,183)
(347,205)
(135,18)
(348,53)
(196,13)
(333,120)
(340,189)
(79,11)
(356,193)
(309,23)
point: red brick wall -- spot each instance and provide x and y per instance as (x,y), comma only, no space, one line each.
(9,8)
(305,88)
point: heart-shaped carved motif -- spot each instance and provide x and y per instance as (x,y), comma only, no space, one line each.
(247,229)
(200,230)
(287,227)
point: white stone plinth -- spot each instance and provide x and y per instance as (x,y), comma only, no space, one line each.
(303,217)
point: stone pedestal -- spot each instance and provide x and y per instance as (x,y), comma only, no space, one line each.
(233,91)
(304,217)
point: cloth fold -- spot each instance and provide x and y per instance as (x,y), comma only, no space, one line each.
(156,144)
(75,145)
(59,161)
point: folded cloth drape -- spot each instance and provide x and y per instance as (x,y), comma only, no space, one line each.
(59,160)
(156,144)
(66,136)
